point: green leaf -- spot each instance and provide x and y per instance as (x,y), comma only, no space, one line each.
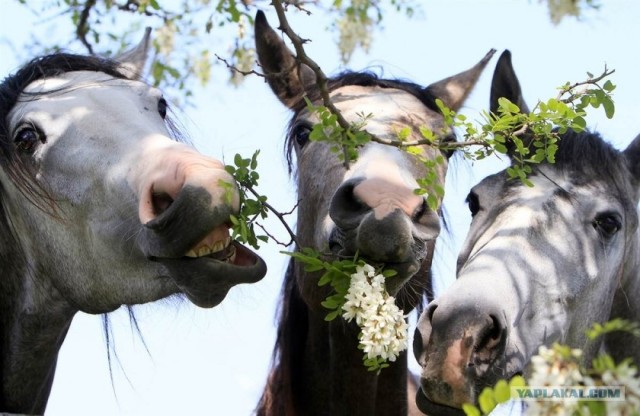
(404,133)
(608,86)
(486,401)
(389,273)
(501,391)
(332,315)
(329,303)
(517,381)
(608,106)
(471,410)
(312,267)
(432,202)
(500,148)
(325,279)
(580,123)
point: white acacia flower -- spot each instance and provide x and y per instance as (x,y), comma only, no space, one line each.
(552,368)
(383,328)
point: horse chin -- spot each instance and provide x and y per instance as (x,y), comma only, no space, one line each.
(344,244)
(206,280)
(428,407)
(404,272)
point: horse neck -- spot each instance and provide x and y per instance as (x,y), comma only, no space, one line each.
(622,345)
(319,369)
(33,323)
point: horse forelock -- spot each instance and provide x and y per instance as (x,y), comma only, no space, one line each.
(586,157)
(363,79)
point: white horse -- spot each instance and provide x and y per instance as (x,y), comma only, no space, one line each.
(540,264)
(99,207)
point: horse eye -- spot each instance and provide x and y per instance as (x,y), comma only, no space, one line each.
(162,107)
(301,134)
(27,139)
(607,225)
(473,203)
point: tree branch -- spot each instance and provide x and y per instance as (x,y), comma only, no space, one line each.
(591,81)
(280,216)
(236,69)
(82,28)
(321,78)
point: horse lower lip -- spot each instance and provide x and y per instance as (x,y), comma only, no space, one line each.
(206,281)
(432,408)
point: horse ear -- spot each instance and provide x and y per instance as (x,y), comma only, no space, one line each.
(505,84)
(632,157)
(132,61)
(287,78)
(455,89)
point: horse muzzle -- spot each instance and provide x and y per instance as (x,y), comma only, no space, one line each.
(461,351)
(191,239)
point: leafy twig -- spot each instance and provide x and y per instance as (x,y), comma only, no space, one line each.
(280,217)
(321,78)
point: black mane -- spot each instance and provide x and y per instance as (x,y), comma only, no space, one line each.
(586,154)
(362,79)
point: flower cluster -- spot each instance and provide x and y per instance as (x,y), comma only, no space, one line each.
(560,366)
(383,326)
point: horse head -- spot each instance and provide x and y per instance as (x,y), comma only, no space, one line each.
(369,208)
(100,206)
(539,265)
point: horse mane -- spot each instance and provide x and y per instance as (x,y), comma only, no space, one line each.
(279,397)
(589,155)
(585,156)
(363,79)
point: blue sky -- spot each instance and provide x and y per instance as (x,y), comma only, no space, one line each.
(215,361)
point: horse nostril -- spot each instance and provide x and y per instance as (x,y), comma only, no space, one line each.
(430,311)
(161,202)
(489,341)
(420,211)
(418,345)
(346,209)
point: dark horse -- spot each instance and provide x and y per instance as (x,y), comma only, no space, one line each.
(371,209)
(99,207)
(540,265)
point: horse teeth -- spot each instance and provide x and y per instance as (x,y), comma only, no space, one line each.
(232,255)
(218,247)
